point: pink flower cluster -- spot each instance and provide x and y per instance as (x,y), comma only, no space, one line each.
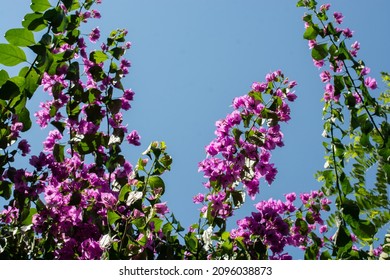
(76,194)
(241,151)
(337,63)
(272,224)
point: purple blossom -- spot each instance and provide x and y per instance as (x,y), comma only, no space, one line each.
(318,63)
(291,197)
(357,97)
(356,45)
(96,14)
(90,250)
(9,215)
(323,228)
(24,147)
(325,76)
(259,87)
(365,71)
(16,127)
(199,198)
(134,138)
(312,43)
(348,33)
(48,144)
(371,83)
(325,7)
(338,17)
(128,94)
(161,208)
(94,35)
(124,66)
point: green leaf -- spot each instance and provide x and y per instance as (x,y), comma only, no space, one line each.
(69,4)
(117,52)
(24,117)
(325,256)
(166,161)
(97,73)
(73,72)
(338,84)
(31,80)
(319,52)
(58,152)
(342,238)
(59,125)
(12,88)
(191,242)
(3,77)
(98,57)
(55,16)
(20,37)
(157,223)
(40,5)
(309,218)
(156,182)
(28,220)
(365,229)
(34,22)
(310,33)
(122,194)
(11,55)
(302,226)
(112,217)
(5,189)
(167,229)
(345,184)
(351,208)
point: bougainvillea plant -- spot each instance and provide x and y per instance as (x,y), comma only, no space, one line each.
(80,198)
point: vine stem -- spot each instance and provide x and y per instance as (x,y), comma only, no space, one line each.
(353,82)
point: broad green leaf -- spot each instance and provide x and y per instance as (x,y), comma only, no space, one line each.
(58,152)
(12,88)
(59,125)
(325,256)
(24,117)
(302,226)
(365,229)
(112,217)
(34,22)
(31,80)
(319,52)
(122,194)
(309,218)
(20,37)
(351,208)
(191,242)
(28,220)
(11,55)
(55,16)
(343,238)
(157,222)
(40,5)
(166,161)
(68,3)
(3,77)
(310,33)
(338,84)
(5,189)
(98,57)
(167,229)
(156,182)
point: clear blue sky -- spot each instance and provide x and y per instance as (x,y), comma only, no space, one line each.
(191,58)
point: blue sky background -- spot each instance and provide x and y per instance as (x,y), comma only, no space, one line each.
(191,58)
